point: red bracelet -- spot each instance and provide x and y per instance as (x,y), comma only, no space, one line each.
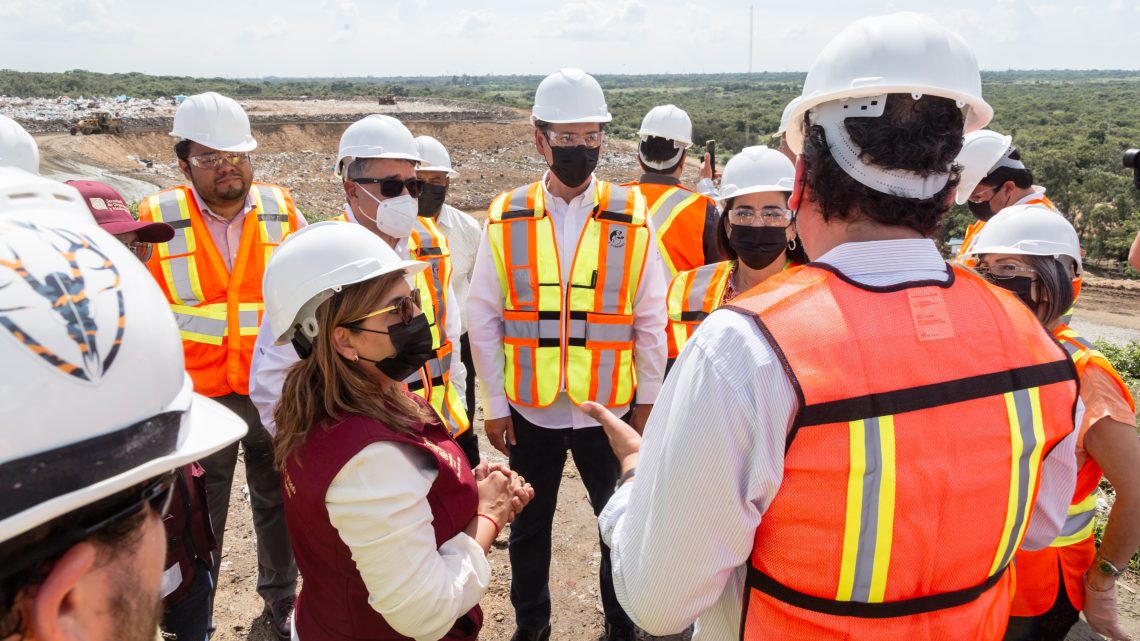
(493,522)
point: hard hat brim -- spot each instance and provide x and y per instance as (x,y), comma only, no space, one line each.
(754,189)
(451,173)
(208,427)
(243,146)
(572,121)
(411,267)
(966,186)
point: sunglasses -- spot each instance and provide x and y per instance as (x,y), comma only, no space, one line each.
(216,160)
(392,187)
(406,306)
(140,249)
(157,493)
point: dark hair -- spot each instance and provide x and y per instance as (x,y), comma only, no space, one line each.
(1056,278)
(796,255)
(659,149)
(112,541)
(182,150)
(921,136)
(1022,178)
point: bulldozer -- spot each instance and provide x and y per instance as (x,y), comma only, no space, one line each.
(99,122)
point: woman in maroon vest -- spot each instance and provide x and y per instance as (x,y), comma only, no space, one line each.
(390,526)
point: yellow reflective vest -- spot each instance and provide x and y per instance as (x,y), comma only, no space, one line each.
(576,336)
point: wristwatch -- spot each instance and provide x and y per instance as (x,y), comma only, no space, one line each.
(1105,567)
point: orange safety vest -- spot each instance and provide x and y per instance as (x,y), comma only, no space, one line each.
(433,381)
(1074,549)
(897,519)
(579,336)
(678,216)
(211,303)
(693,295)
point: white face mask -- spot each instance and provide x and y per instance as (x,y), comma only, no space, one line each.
(394,216)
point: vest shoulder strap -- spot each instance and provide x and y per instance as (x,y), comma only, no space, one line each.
(514,204)
(624,205)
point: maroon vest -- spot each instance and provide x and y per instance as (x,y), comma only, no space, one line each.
(188,531)
(333,604)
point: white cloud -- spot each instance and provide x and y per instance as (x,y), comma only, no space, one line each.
(468,22)
(594,20)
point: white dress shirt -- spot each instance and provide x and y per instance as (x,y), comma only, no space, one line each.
(672,564)
(1037,192)
(485,320)
(462,233)
(270,363)
(378,505)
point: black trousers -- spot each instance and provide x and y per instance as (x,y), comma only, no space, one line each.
(276,569)
(540,455)
(468,441)
(1053,625)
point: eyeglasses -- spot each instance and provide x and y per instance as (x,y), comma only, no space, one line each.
(140,249)
(567,139)
(979,199)
(157,493)
(1003,271)
(392,187)
(766,217)
(407,306)
(216,160)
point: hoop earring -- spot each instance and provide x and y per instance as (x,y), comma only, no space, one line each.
(793,243)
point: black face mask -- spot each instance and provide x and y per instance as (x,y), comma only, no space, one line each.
(1021,286)
(573,165)
(413,345)
(431,199)
(981,211)
(757,247)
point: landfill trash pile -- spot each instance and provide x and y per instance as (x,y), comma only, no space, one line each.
(50,115)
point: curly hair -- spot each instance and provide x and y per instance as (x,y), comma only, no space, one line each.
(922,136)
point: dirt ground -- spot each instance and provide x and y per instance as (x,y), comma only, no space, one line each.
(491,156)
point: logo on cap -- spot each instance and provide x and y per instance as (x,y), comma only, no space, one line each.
(61,297)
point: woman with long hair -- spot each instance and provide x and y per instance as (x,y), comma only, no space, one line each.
(1035,253)
(390,525)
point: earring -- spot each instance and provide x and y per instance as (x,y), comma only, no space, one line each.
(355,357)
(793,243)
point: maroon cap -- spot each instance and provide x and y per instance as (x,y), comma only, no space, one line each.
(113,215)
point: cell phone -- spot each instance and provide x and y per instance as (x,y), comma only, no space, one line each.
(710,148)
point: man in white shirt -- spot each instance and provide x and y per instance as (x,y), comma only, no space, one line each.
(567,304)
(462,233)
(379,171)
(770,503)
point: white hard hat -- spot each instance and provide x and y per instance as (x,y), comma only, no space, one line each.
(1031,230)
(314,263)
(435,156)
(669,122)
(905,53)
(786,116)
(377,136)
(94,397)
(754,170)
(570,96)
(17,147)
(215,121)
(981,153)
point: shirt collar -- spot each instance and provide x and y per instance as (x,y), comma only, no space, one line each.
(1038,192)
(205,209)
(659,179)
(910,258)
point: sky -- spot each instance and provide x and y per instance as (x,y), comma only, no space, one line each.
(255,38)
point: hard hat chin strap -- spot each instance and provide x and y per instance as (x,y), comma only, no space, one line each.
(896,182)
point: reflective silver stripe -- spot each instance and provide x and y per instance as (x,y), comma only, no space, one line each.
(607,362)
(609,333)
(518,262)
(178,247)
(1076,522)
(1079,340)
(663,208)
(1024,404)
(614,258)
(525,365)
(270,213)
(532,329)
(248,318)
(517,201)
(869,518)
(1071,348)
(201,325)
(702,280)
(576,328)
(619,199)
